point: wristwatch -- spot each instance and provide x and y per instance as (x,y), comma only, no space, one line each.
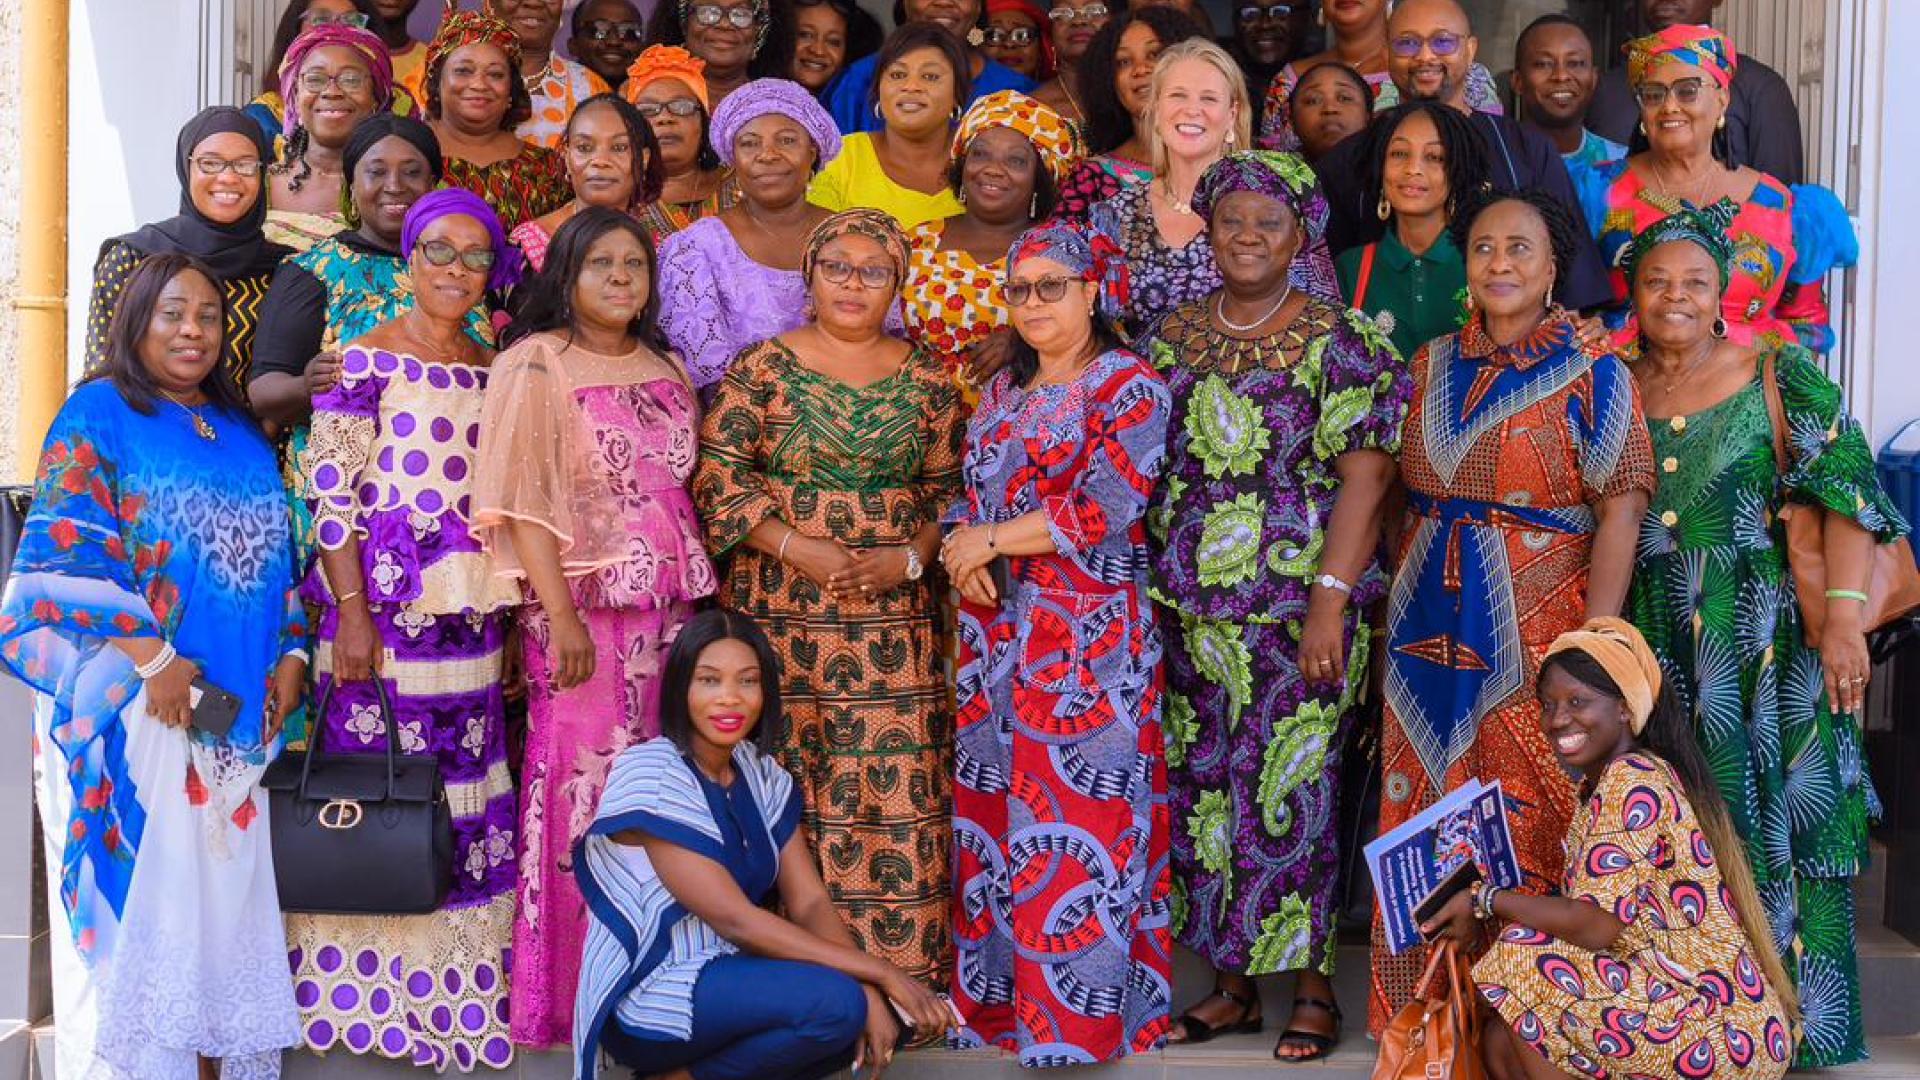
(1328,581)
(915,567)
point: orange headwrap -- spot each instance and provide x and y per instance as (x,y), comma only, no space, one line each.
(667,62)
(1624,655)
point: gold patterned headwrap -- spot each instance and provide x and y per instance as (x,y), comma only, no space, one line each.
(875,225)
(1052,136)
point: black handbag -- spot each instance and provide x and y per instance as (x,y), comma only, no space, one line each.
(359,834)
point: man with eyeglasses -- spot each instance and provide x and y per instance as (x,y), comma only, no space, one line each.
(1763,125)
(1267,35)
(607,35)
(852,101)
(1430,51)
(556,84)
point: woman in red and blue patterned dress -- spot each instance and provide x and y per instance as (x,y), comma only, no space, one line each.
(1060,824)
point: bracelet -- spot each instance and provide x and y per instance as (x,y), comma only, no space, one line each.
(1846,594)
(158,664)
(784,541)
(990,527)
(1483,902)
(341,601)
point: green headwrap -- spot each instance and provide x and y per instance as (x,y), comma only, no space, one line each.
(1706,227)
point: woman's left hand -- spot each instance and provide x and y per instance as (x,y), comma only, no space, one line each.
(1843,653)
(1590,332)
(965,550)
(1455,921)
(1323,645)
(289,687)
(987,356)
(879,1037)
(872,570)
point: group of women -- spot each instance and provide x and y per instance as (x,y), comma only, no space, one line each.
(988,560)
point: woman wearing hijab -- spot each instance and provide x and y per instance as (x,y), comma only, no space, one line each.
(333,78)
(221,159)
(825,463)
(407,596)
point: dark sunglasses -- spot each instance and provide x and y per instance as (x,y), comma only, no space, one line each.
(1016,37)
(1444,43)
(606,30)
(872,275)
(1652,95)
(1253,13)
(441,253)
(1049,289)
(680,106)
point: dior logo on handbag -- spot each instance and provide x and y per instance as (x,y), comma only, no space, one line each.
(340,814)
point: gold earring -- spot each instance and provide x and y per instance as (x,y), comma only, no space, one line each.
(1385,209)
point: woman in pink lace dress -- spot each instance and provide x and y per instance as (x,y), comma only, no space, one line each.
(580,490)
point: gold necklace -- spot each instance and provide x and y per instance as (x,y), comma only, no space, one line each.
(200,425)
(1184,209)
(1668,189)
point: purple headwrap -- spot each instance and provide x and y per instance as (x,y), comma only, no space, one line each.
(447,202)
(364,42)
(1083,251)
(782,96)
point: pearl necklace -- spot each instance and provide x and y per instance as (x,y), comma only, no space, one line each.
(1220,312)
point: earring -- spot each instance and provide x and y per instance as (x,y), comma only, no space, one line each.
(1230,135)
(1719,327)
(1642,125)
(1033,206)
(1547,302)
(962,195)
(876,111)
(1722,125)
(1385,209)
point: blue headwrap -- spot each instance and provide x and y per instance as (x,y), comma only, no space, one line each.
(1082,250)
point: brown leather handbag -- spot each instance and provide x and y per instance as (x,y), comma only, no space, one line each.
(1437,1035)
(1893,583)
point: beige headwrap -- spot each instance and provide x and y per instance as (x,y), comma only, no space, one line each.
(1624,655)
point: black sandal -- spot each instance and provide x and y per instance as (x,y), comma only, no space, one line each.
(1199,1031)
(1318,1044)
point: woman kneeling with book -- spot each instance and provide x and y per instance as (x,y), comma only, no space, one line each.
(1655,959)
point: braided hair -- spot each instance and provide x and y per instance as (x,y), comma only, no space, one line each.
(1466,165)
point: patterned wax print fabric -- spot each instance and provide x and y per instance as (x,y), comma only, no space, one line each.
(1062,894)
(166,937)
(389,462)
(663,218)
(1160,277)
(520,188)
(644,951)
(1095,180)
(870,722)
(1785,240)
(1253,750)
(598,450)
(855,178)
(532,239)
(1276,120)
(297,231)
(1506,450)
(243,295)
(1712,593)
(556,92)
(1679,994)
(952,301)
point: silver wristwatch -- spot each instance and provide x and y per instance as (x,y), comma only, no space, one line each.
(915,567)
(1328,581)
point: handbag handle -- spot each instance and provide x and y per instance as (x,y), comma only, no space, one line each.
(1776,415)
(387,720)
(1895,437)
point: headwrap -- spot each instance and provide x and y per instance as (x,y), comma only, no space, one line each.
(1273,173)
(1706,227)
(459,29)
(875,225)
(1052,137)
(230,251)
(666,62)
(1082,250)
(1702,46)
(1042,25)
(380,125)
(449,202)
(364,42)
(782,96)
(1623,654)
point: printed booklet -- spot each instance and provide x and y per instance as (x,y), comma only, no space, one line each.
(1468,825)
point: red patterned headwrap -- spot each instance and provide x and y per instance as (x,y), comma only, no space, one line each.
(364,42)
(1702,46)
(1082,250)
(458,29)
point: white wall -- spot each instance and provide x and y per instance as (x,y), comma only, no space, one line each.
(1885,369)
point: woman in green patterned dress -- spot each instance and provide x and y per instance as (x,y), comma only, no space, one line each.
(1775,703)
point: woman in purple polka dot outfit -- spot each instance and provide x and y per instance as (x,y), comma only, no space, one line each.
(407,596)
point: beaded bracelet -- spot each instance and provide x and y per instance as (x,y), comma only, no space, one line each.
(158,664)
(1483,906)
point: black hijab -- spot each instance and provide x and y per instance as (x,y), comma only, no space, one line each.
(231,251)
(382,124)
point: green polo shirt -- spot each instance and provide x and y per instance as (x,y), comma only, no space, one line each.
(1421,296)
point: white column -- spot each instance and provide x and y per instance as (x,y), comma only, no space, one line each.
(1886,374)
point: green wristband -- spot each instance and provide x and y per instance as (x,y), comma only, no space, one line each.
(1846,594)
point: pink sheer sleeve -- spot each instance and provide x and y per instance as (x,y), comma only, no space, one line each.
(524,470)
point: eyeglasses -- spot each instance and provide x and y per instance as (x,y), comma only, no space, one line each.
(1090,13)
(1253,13)
(354,19)
(1652,95)
(214,166)
(680,106)
(1049,289)
(1444,43)
(441,253)
(349,80)
(739,18)
(605,30)
(1016,37)
(872,275)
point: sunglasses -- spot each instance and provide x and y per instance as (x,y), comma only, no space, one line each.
(604,30)
(1652,95)
(680,106)
(1090,13)
(1016,37)
(214,166)
(739,18)
(1273,13)
(1444,43)
(872,275)
(1049,289)
(441,253)
(355,19)
(349,80)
